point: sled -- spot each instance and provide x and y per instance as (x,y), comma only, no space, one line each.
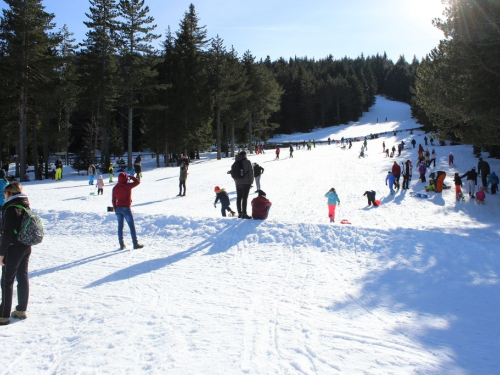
(418,195)
(377,203)
(345,221)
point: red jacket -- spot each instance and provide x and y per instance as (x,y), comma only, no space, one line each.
(122,192)
(396,170)
(259,207)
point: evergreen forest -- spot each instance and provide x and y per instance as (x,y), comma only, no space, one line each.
(117,93)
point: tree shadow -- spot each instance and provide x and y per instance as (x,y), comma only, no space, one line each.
(447,283)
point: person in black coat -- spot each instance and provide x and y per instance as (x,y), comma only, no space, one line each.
(14,256)
(371,198)
(257,172)
(471,180)
(483,168)
(222,196)
(138,167)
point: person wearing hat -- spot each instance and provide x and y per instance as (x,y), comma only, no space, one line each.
(243,185)
(261,206)
(221,195)
(471,181)
(122,200)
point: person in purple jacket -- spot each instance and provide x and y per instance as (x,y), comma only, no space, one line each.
(422,169)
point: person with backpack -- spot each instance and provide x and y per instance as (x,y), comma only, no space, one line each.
(14,255)
(222,196)
(257,172)
(242,174)
(261,206)
(122,200)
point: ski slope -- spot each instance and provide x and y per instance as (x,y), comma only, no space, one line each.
(411,287)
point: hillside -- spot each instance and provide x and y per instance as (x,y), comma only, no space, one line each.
(409,287)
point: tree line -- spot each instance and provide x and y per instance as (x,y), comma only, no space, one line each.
(117,93)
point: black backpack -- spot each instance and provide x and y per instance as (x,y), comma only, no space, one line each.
(31,231)
(237,169)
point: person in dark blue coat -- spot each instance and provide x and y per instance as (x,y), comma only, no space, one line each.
(222,196)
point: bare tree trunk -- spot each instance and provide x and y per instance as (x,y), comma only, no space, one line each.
(232,140)
(226,139)
(219,149)
(129,146)
(250,145)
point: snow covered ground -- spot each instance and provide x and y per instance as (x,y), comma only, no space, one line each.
(411,287)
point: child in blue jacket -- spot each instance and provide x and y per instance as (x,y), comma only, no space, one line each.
(333,200)
(391,179)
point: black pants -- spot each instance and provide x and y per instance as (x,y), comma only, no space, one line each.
(224,209)
(406,179)
(242,192)
(182,183)
(484,179)
(16,267)
(100,191)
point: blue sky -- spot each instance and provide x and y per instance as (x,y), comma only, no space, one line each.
(279,28)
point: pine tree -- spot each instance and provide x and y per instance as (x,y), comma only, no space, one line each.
(98,70)
(137,57)
(25,39)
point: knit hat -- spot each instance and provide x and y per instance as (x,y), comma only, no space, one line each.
(216,189)
(261,193)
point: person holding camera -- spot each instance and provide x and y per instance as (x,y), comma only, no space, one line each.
(122,200)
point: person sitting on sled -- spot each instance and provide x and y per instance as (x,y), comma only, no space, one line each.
(480,196)
(260,206)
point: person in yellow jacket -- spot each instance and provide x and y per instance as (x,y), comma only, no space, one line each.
(111,172)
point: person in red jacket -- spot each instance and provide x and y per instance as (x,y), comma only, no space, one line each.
(260,206)
(122,200)
(396,171)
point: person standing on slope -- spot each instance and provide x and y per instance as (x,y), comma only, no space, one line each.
(291,151)
(333,200)
(14,255)
(277,153)
(471,181)
(483,168)
(182,180)
(257,172)
(391,179)
(243,184)
(122,200)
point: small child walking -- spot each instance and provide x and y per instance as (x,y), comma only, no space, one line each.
(458,187)
(221,195)
(100,185)
(333,200)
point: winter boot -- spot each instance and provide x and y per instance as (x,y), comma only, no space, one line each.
(123,246)
(4,321)
(245,216)
(19,314)
(137,245)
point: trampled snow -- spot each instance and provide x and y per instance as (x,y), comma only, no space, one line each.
(410,287)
